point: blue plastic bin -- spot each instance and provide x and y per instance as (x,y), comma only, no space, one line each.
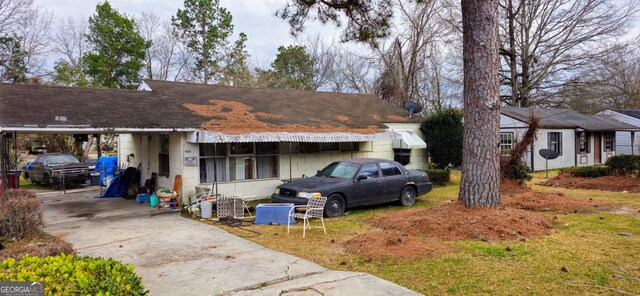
(273,213)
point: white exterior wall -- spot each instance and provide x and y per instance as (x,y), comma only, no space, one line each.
(418,156)
(146,148)
(568,157)
(623,139)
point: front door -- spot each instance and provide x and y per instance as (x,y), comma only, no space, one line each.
(597,148)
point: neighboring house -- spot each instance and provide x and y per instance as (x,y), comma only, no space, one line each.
(246,139)
(626,142)
(579,139)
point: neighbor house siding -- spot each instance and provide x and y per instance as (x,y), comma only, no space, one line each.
(623,139)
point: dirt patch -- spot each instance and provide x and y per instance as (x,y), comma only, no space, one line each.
(232,117)
(521,197)
(42,246)
(455,221)
(606,183)
(397,245)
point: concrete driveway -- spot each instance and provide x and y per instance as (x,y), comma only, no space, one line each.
(177,256)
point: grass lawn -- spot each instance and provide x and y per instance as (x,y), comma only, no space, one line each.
(26,184)
(585,256)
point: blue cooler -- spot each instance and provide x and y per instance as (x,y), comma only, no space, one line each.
(273,213)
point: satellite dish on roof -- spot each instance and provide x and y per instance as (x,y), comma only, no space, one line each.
(412,107)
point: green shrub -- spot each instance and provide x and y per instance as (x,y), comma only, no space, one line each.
(443,135)
(20,214)
(438,176)
(67,274)
(588,171)
(624,165)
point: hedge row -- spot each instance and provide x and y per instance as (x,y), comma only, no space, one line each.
(439,177)
(74,275)
(588,172)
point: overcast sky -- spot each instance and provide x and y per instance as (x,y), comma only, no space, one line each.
(254,17)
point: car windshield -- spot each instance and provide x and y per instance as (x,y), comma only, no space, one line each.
(61,158)
(339,170)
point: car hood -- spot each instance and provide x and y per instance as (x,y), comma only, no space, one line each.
(313,183)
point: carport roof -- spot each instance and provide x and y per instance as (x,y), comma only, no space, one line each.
(566,118)
(191,107)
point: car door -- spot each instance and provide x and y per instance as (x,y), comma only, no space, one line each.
(393,180)
(35,172)
(368,187)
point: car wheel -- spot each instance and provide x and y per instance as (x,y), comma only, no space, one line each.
(408,196)
(335,205)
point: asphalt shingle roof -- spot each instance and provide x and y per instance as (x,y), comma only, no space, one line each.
(628,112)
(189,106)
(566,118)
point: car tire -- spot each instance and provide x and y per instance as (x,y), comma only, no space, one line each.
(408,196)
(335,205)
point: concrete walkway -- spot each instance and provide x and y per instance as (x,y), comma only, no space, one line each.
(177,256)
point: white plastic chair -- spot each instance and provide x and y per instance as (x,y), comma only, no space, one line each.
(313,209)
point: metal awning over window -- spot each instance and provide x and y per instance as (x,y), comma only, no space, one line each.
(202,136)
(408,140)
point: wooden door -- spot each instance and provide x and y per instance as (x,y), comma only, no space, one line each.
(597,148)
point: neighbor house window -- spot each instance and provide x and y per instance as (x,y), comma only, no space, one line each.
(609,142)
(309,147)
(350,146)
(238,161)
(583,142)
(506,143)
(163,156)
(330,147)
(555,142)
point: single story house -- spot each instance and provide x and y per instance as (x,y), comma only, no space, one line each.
(626,142)
(247,140)
(578,139)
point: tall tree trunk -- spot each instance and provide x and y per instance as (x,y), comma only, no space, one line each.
(480,183)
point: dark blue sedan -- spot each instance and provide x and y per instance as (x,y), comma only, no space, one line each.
(357,182)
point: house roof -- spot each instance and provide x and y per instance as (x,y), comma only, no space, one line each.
(628,112)
(566,118)
(186,106)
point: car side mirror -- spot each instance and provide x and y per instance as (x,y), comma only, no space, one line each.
(318,173)
(361,177)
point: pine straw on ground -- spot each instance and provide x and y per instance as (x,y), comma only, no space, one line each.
(606,183)
(454,221)
(396,244)
(521,197)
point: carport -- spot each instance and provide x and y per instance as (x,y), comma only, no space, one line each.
(38,109)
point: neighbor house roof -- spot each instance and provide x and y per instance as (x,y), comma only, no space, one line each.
(566,118)
(217,109)
(628,112)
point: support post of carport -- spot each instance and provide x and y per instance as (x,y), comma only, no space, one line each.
(3,162)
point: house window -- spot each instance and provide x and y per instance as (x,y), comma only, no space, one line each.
(554,140)
(330,147)
(506,143)
(163,156)
(238,161)
(213,165)
(350,146)
(609,142)
(309,147)
(583,143)
(403,156)
(267,160)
